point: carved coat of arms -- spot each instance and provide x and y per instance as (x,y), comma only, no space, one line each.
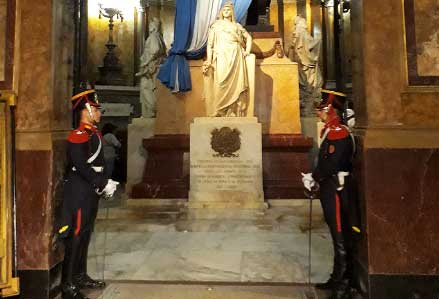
(225,142)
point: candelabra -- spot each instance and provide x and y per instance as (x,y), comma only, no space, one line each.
(111,71)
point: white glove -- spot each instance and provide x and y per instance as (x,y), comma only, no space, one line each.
(341,176)
(308,181)
(110,188)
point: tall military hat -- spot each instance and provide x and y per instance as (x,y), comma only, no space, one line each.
(83,100)
(329,97)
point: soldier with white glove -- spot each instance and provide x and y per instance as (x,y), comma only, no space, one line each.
(85,175)
(333,177)
(109,189)
(308,181)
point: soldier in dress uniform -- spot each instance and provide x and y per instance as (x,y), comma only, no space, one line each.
(84,182)
(332,176)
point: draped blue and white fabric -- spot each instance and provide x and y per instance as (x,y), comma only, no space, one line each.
(192,21)
(206,13)
(241,8)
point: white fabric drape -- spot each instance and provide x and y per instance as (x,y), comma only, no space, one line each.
(206,13)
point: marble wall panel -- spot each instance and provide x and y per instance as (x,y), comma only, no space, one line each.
(359,174)
(54,210)
(419,109)
(34,59)
(401,191)
(33,213)
(426,24)
(380,90)
(383,60)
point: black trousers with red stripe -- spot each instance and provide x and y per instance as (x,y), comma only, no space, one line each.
(335,205)
(77,243)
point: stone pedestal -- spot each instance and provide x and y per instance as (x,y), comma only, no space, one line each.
(165,174)
(226,163)
(284,157)
(139,129)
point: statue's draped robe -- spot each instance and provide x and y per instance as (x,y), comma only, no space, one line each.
(228,89)
(308,51)
(154,51)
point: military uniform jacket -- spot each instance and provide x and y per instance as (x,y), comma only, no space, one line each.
(84,153)
(336,151)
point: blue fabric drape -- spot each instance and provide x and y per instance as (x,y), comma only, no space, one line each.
(174,72)
(241,7)
(197,54)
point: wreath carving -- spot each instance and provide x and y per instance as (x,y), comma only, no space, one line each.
(225,142)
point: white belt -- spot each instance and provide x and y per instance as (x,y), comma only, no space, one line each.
(341,175)
(95,168)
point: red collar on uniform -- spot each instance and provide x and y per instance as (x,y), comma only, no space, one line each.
(85,126)
(336,129)
(333,122)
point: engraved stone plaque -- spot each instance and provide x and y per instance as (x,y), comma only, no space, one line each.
(226,163)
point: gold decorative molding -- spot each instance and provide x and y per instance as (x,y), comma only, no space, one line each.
(9,286)
(8,96)
(13,289)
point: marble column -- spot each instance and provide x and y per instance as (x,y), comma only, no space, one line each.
(328,46)
(43,83)
(397,161)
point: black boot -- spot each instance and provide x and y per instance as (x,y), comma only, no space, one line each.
(338,279)
(339,295)
(84,281)
(70,291)
(340,290)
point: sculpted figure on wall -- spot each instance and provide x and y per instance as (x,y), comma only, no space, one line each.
(306,52)
(226,83)
(154,50)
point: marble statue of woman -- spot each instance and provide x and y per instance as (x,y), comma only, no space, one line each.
(225,70)
(307,52)
(154,50)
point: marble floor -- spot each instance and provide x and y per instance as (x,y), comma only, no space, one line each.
(177,291)
(149,241)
